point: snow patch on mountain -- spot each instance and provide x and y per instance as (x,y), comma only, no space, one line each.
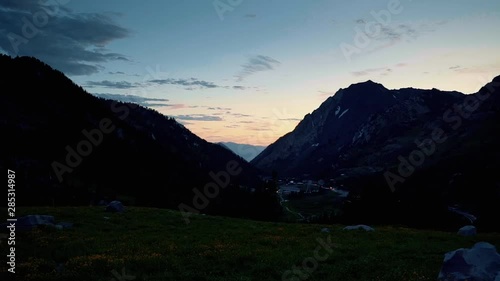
(337,111)
(344,112)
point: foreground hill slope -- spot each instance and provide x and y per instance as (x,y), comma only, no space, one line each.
(69,147)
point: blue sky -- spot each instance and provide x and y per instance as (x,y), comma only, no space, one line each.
(249,70)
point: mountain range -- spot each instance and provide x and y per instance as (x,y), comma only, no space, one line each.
(403,154)
(246,151)
(69,147)
(422,149)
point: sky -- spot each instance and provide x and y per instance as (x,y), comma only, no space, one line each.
(248,71)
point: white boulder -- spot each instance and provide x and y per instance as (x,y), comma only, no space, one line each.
(360,226)
(480,263)
(468,230)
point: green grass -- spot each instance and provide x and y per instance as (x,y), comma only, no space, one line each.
(156,244)
(314,204)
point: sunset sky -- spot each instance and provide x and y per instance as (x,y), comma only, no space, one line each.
(249,70)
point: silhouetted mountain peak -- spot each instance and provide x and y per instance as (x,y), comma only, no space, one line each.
(73,147)
(361,119)
(366,87)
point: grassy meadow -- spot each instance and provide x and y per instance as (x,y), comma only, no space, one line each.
(156,244)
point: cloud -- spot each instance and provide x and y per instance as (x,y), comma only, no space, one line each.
(367,71)
(386,70)
(190,83)
(116,73)
(232,126)
(111,84)
(182,122)
(194,84)
(455,67)
(197,117)
(290,119)
(385,36)
(324,94)
(157,102)
(256,64)
(240,115)
(219,108)
(257,128)
(404,31)
(73,43)
(478,69)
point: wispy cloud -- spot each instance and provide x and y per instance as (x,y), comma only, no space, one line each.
(257,128)
(198,117)
(386,70)
(477,69)
(385,36)
(325,94)
(190,83)
(367,71)
(233,126)
(219,108)
(187,84)
(240,115)
(148,102)
(116,73)
(402,31)
(73,43)
(290,119)
(112,84)
(256,64)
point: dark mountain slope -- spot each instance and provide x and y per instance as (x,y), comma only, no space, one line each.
(116,149)
(405,155)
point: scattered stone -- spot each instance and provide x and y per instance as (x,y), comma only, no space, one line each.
(480,263)
(64,225)
(326,230)
(115,207)
(102,203)
(468,230)
(31,221)
(361,226)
